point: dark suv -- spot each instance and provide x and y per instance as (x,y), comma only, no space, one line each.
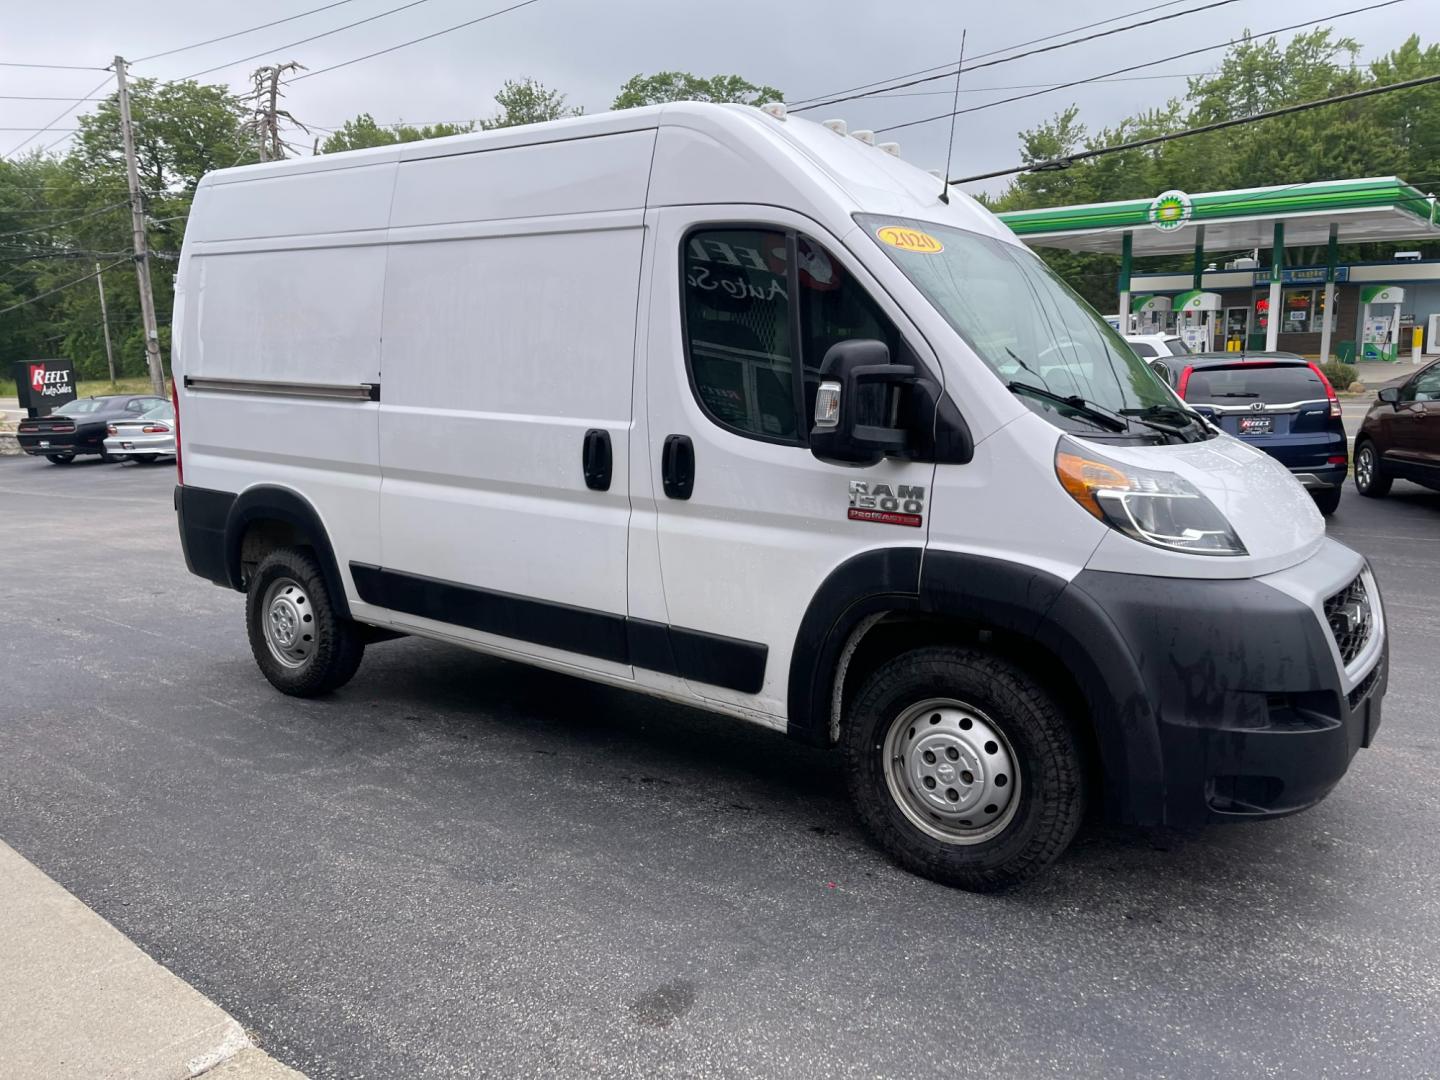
(1281,403)
(78,427)
(1401,435)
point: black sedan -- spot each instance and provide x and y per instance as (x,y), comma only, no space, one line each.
(78,427)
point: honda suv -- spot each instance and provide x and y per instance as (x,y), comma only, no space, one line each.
(1281,403)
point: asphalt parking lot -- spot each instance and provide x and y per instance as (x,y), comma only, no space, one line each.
(459,866)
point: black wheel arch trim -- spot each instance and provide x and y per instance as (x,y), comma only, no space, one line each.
(1027,603)
(213,526)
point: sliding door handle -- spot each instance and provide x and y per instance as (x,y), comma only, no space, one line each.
(677,466)
(596,459)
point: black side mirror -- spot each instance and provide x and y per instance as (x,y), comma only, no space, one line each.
(857,404)
(1390,395)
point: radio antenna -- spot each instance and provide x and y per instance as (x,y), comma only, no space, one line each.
(954,111)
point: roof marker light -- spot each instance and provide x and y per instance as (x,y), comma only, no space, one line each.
(837,126)
(891,148)
(774,108)
(864,135)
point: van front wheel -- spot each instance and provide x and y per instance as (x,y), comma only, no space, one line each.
(298,641)
(963,768)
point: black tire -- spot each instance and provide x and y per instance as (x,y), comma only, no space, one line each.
(145,459)
(1327,500)
(108,458)
(1376,484)
(319,663)
(60,459)
(1049,793)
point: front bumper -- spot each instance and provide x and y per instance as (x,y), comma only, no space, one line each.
(1238,687)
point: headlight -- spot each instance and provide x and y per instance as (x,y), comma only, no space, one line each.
(1153,507)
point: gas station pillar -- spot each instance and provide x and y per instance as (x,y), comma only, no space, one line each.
(1332,255)
(1277,274)
(1127,252)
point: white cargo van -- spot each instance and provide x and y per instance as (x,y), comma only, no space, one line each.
(737,411)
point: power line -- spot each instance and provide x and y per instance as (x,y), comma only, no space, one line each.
(1033,52)
(1148,63)
(1034,86)
(61,288)
(416,41)
(948,68)
(53,67)
(67,221)
(306,41)
(240,33)
(1135,144)
(89,95)
(41,97)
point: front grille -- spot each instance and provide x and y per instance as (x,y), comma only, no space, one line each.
(1351,619)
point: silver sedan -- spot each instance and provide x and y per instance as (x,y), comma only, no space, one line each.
(146,437)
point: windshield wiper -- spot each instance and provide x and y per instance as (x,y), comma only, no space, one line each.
(1148,414)
(1087,409)
(1236,394)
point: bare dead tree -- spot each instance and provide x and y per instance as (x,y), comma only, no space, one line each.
(265,122)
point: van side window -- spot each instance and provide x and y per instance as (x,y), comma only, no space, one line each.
(738,329)
(744,328)
(833,309)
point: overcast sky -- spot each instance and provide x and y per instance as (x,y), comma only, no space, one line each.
(587,49)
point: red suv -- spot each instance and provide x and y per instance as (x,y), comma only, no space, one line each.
(1401,435)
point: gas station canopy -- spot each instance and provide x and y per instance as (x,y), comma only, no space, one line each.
(1330,213)
(1376,209)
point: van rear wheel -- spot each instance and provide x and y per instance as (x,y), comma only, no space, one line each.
(963,768)
(298,641)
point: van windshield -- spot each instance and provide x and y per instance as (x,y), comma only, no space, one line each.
(1026,324)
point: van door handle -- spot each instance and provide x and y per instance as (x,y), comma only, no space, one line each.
(596,459)
(677,466)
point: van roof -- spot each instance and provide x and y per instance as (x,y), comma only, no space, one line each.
(719,154)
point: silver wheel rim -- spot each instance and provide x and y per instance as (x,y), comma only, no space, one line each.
(951,771)
(288,618)
(1363,468)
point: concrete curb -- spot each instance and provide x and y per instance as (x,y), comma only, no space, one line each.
(79,999)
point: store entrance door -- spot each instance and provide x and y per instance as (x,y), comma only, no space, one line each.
(1237,325)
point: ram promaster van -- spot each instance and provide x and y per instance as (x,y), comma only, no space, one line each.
(739,411)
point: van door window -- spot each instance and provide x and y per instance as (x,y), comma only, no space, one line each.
(749,314)
(834,309)
(738,330)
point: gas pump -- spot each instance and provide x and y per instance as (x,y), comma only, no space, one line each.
(1150,312)
(1378,332)
(1199,312)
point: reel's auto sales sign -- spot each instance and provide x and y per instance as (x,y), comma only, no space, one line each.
(44,385)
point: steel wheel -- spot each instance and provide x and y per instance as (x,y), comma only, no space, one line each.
(289,622)
(952,771)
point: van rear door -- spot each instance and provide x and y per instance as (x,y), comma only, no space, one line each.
(744,303)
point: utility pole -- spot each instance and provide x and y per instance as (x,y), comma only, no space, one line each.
(105,323)
(137,226)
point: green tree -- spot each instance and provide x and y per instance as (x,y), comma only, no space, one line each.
(528,101)
(363,131)
(666,86)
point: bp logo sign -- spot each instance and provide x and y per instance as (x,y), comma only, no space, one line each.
(1169,210)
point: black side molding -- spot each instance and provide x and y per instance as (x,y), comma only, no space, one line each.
(670,650)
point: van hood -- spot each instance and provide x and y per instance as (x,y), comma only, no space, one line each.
(1273,515)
